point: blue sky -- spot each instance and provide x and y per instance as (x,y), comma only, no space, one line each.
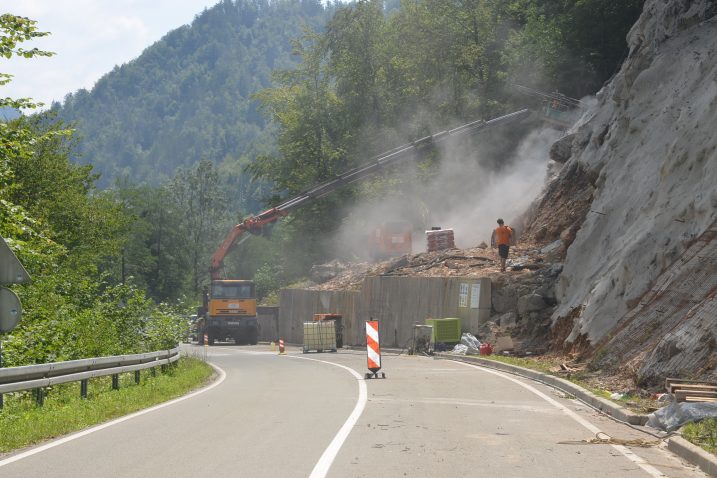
(89,38)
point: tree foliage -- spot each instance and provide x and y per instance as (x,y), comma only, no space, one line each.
(64,232)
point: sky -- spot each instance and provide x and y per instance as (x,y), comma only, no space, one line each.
(89,38)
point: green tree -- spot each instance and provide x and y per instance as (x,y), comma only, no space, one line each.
(63,233)
(198,198)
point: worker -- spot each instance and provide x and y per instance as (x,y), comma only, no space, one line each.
(502,237)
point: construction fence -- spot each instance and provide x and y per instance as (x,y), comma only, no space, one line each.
(396,302)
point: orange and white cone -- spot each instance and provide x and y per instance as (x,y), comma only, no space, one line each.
(281,345)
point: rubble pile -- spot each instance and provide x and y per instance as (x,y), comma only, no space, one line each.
(474,262)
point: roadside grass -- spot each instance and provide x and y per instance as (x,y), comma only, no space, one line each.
(24,423)
(703,434)
(540,365)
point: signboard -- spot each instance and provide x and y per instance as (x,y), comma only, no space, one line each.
(475,295)
(463,295)
(11,271)
(10,310)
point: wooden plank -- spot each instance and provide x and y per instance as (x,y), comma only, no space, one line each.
(682,396)
(680,380)
(692,386)
(676,381)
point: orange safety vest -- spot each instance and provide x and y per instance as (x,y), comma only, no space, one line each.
(503,235)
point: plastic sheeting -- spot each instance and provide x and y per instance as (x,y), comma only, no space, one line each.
(676,414)
(469,345)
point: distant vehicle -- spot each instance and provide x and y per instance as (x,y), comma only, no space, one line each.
(192,328)
(390,239)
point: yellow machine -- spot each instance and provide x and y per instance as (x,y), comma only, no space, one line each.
(229,312)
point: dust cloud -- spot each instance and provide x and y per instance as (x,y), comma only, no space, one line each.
(463,193)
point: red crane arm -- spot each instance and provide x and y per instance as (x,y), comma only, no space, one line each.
(253,225)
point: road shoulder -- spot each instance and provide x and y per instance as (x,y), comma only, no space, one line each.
(676,444)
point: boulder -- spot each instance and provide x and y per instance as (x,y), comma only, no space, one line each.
(561,150)
(509,319)
(530,303)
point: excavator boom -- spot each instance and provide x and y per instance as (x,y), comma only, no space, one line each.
(256,223)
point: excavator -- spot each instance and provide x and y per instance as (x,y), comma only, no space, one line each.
(228,310)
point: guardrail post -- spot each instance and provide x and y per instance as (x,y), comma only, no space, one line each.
(39,397)
(164,368)
(154,371)
(83,388)
(137,377)
(115,381)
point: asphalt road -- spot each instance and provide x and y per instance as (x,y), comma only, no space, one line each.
(301,415)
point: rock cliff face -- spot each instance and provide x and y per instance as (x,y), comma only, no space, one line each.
(649,149)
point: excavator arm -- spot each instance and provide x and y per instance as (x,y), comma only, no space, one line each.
(255,224)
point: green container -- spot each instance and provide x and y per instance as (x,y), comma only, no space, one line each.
(446,331)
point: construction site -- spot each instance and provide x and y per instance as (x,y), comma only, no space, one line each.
(613,270)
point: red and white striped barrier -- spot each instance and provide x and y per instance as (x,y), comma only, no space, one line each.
(373,349)
(281,345)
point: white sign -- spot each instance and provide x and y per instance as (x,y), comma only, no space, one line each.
(475,295)
(463,295)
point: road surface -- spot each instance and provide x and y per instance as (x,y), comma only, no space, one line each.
(314,415)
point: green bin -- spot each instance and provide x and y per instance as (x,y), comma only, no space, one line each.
(446,331)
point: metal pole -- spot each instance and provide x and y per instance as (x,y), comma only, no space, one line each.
(1,399)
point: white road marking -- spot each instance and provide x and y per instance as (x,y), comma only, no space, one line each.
(652,471)
(75,436)
(327,458)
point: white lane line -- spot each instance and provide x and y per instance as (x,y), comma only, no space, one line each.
(652,471)
(62,441)
(327,458)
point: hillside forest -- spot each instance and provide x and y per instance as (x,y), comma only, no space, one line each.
(115,199)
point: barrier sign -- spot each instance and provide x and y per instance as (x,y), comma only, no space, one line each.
(373,349)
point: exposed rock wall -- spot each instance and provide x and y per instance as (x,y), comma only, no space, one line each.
(651,146)
(673,331)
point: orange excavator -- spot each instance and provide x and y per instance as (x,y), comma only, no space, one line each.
(229,306)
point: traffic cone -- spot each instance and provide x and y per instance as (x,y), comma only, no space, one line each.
(281,346)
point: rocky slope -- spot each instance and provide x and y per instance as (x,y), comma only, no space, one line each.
(648,151)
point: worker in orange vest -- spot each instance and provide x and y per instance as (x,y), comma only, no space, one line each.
(502,237)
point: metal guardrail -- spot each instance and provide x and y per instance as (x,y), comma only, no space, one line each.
(35,377)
